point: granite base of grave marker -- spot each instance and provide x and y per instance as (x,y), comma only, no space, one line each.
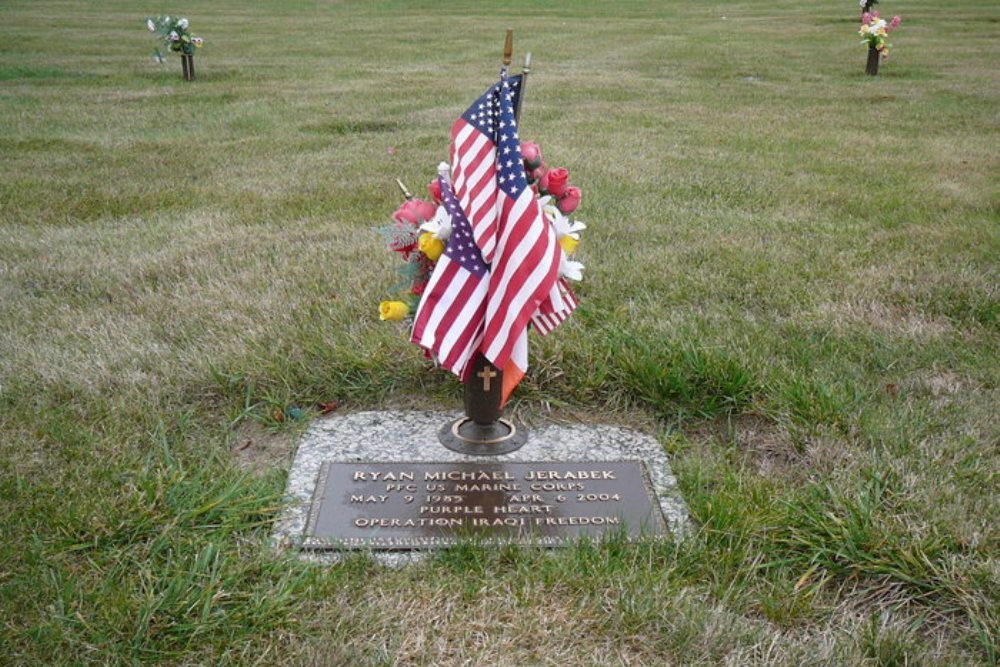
(350,488)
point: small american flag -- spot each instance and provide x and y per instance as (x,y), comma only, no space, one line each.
(500,268)
(525,265)
(449,321)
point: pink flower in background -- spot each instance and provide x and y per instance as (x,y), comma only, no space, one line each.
(415,211)
(570,200)
(391,150)
(866,18)
(894,23)
(434,188)
(531,153)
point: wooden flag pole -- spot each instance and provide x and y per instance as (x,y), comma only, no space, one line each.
(407,195)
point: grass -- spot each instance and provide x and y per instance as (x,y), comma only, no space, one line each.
(791,278)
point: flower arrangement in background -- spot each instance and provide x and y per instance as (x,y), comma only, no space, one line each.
(875,29)
(420,229)
(175,35)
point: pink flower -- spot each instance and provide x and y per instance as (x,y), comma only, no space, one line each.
(866,18)
(570,200)
(894,23)
(531,153)
(415,211)
(538,172)
(434,188)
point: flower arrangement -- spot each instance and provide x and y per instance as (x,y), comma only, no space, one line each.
(420,229)
(875,29)
(175,35)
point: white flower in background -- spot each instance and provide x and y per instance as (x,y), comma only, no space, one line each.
(183,23)
(440,226)
(570,269)
(151,25)
(877,25)
(174,36)
(166,20)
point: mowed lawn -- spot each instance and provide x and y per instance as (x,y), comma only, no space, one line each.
(791,279)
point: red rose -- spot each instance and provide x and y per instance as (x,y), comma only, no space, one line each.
(536,174)
(531,153)
(555,181)
(569,201)
(434,187)
(415,211)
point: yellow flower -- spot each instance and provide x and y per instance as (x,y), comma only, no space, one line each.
(393,310)
(569,244)
(431,246)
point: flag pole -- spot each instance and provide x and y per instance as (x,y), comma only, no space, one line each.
(508,51)
(525,71)
(407,195)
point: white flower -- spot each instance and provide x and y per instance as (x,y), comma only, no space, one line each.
(877,25)
(151,25)
(166,20)
(174,36)
(183,23)
(570,269)
(440,226)
(562,225)
(862,3)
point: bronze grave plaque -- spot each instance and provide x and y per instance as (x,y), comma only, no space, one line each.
(430,505)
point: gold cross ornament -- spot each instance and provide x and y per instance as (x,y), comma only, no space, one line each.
(487,374)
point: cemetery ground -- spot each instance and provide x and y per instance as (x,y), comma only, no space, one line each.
(791,280)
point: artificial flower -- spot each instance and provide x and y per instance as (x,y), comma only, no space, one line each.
(415,211)
(431,246)
(197,41)
(174,36)
(393,310)
(561,225)
(570,269)
(569,244)
(183,23)
(555,182)
(151,25)
(531,154)
(569,201)
(440,226)
(434,188)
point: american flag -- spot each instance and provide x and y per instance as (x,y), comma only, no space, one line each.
(500,268)
(449,321)
(525,264)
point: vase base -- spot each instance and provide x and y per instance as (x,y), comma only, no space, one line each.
(468,437)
